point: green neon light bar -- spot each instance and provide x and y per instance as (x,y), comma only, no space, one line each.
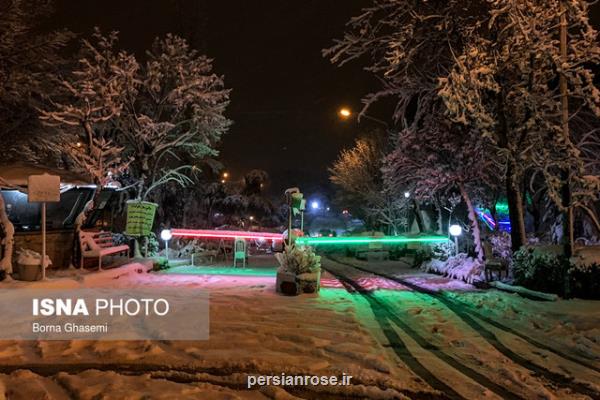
(366,240)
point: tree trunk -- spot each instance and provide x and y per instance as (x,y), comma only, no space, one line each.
(440,217)
(515,209)
(566,196)
(474,222)
(9,241)
(418,216)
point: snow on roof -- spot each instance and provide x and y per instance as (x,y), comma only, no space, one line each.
(16,174)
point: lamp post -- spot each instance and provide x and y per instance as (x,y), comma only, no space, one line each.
(456,231)
(166,235)
(407,214)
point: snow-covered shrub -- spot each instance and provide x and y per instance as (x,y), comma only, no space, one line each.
(539,270)
(184,248)
(153,245)
(542,270)
(444,250)
(421,256)
(501,244)
(460,267)
(160,263)
(152,242)
(299,260)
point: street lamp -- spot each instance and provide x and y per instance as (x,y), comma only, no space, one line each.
(346,113)
(166,235)
(456,231)
(314,205)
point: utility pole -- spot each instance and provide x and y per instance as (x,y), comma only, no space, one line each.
(566,173)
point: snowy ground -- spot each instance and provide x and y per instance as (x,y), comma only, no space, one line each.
(484,343)
(450,341)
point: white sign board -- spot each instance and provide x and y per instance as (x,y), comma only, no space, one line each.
(43,188)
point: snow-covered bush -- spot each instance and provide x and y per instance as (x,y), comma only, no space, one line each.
(501,244)
(539,270)
(153,245)
(421,256)
(460,267)
(160,264)
(152,242)
(542,270)
(184,248)
(299,260)
(444,250)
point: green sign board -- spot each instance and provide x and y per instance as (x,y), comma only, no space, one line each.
(140,218)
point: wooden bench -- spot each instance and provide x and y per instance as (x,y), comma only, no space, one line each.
(493,264)
(99,244)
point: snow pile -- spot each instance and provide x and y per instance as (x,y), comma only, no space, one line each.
(30,257)
(460,267)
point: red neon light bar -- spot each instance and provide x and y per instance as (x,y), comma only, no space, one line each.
(226,234)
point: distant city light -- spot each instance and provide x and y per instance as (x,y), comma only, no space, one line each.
(251,218)
(406,195)
(223,181)
(225,174)
(345,112)
(314,205)
(328,209)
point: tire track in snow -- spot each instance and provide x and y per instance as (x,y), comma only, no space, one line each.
(467,316)
(528,339)
(384,315)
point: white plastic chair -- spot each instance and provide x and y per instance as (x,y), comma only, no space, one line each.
(239,252)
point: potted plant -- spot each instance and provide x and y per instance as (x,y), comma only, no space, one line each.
(299,270)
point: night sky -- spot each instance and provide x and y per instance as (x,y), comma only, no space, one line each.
(285,94)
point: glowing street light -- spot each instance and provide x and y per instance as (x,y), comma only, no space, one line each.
(456,231)
(406,195)
(225,175)
(345,112)
(166,235)
(314,205)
